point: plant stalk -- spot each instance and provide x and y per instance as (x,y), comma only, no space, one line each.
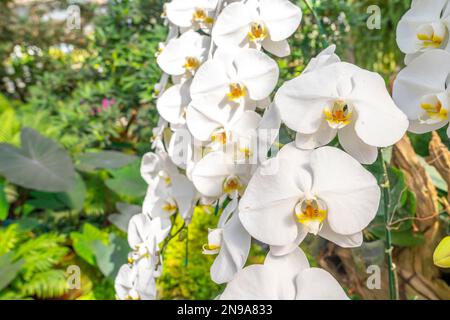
(385,186)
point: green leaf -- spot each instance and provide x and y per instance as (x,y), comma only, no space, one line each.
(407,238)
(84,242)
(45,200)
(435,176)
(126,212)
(104,160)
(4,205)
(74,198)
(40,164)
(403,206)
(111,257)
(10,126)
(127,181)
(8,269)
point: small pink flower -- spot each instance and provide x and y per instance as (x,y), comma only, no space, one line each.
(107,103)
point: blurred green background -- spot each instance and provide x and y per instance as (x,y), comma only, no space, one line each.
(82,100)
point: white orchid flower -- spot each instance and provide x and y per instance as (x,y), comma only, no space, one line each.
(157,168)
(322,191)
(223,85)
(136,282)
(145,234)
(424,27)
(168,199)
(192,14)
(422,91)
(288,277)
(258,23)
(217,134)
(231,242)
(184,55)
(218,174)
(246,129)
(344,100)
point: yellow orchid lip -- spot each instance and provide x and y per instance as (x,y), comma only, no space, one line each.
(169,206)
(433,41)
(258,32)
(219,136)
(433,110)
(237,91)
(339,116)
(231,185)
(191,64)
(311,213)
(200,16)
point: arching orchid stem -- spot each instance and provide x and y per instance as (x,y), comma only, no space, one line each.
(186,258)
(385,186)
(167,241)
(322,33)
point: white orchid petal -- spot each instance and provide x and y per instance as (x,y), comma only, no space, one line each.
(173,101)
(350,192)
(236,246)
(281,18)
(318,284)
(252,283)
(210,173)
(201,126)
(354,146)
(302,101)
(344,241)
(257,72)
(279,48)
(323,136)
(379,122)
(232,25)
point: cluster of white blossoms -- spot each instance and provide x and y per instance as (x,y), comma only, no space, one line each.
(216,145)
(421,89)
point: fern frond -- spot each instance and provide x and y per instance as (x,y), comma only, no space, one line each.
(9,237)
(44,285)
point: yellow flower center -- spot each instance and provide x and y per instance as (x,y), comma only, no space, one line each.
(311,213)
(200,16)
(191,64)
(434,111)
(237,91)
(431,35)
(169,206)
(219,136)
(258,32)
(231,185)
(246,151)
(339,116)
(165,177)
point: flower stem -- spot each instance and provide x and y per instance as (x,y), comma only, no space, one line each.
(385,186)
(323,38)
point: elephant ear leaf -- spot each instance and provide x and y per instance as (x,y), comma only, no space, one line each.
(40,164)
